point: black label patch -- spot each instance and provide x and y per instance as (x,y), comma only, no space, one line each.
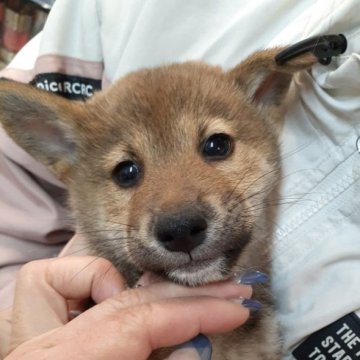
(68,86)
(338,341)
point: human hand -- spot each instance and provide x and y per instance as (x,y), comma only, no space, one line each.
(125,323)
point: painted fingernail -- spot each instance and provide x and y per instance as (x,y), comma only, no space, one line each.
(200,345)
(203,346)
(251,278)
(251,304)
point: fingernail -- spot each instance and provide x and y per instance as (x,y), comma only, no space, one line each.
(251,304)
(73,314)
(251,278)
(201,344)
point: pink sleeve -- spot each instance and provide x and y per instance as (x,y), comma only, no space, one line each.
(32,214)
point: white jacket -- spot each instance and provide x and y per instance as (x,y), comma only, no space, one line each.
(316,277)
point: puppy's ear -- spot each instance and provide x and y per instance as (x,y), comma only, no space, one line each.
(264,82)
(43,124)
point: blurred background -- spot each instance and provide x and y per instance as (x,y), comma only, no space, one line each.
(20,20)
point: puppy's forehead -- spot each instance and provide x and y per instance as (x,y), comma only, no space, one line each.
(156,95)
(171,102)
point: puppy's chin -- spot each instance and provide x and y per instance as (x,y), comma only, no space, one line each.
(199,273)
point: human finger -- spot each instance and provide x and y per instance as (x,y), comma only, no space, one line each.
(44,287)
(165,290)
(134,332)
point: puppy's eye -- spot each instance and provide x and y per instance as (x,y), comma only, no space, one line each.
(217,147)
(126,174)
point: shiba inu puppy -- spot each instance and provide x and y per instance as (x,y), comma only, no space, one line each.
(170,170)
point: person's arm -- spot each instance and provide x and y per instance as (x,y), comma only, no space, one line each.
(34,221)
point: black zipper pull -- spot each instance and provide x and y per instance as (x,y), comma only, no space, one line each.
(323,47)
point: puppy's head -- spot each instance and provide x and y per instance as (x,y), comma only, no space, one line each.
(168,168)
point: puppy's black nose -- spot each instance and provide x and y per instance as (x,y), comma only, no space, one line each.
(181,231)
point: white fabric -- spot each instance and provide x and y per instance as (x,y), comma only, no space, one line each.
(317,237)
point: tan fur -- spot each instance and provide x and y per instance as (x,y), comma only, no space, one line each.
(160,118)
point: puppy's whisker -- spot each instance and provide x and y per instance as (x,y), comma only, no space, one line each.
(293,152)
(288,201)
(119,223)
(85,267)
(79,250)
(85,232)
